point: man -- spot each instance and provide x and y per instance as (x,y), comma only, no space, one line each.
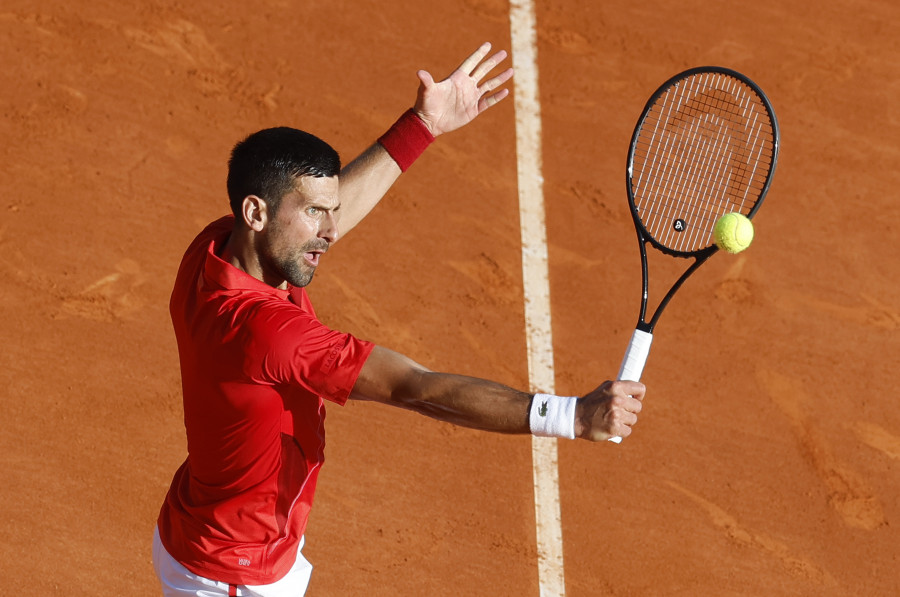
(257,364)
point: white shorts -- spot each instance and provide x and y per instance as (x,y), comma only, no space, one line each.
(178,581)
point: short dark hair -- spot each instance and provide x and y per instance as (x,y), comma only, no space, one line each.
(268,162)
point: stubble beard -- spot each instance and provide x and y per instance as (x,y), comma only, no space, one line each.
(288,262)
(293,268)
(291,264)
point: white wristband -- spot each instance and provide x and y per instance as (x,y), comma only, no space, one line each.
(553,416)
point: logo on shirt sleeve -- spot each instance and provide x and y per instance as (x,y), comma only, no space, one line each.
(332,358)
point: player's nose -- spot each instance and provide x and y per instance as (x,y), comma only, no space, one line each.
(328,229)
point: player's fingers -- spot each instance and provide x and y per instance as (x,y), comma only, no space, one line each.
(496,81)
(620,429)
(487,101)
(488,65)
(486,98)
(612,416)
(624,403)
(629,388)
(634,405)
(468,65)
(621,422)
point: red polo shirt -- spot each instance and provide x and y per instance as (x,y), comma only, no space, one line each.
(255,365)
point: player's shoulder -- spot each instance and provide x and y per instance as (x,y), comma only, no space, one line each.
(271,318)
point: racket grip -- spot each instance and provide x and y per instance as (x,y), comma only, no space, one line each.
(634,361)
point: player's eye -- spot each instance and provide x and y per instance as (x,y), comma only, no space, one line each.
(313,211)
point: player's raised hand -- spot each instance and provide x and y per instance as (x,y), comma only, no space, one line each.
(458,99)
(609,411)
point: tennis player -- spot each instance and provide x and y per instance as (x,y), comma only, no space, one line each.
(257,365)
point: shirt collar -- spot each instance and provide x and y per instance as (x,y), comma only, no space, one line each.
(223,274)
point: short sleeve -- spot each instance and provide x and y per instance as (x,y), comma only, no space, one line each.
(286,344)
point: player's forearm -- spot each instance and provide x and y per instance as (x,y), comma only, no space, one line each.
(363,183)
(466,401)
(365,180)
(392,378)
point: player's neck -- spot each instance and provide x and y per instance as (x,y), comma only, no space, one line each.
(239,252)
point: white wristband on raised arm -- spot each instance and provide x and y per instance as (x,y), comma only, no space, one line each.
(553,416)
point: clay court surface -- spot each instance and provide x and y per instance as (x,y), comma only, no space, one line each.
(767,459)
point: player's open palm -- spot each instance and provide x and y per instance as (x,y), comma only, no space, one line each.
(456,101)
(609,411)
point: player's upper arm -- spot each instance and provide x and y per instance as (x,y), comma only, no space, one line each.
(388,376)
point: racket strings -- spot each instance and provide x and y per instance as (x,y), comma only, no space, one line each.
(704,149)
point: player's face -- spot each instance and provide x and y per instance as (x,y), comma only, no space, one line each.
(302,229)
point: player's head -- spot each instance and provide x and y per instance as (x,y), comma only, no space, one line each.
(268,162)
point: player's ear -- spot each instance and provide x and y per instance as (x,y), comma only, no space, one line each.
(254,211)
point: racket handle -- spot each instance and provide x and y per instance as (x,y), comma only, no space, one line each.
(634,361)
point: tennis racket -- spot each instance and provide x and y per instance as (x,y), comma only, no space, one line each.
(705,145)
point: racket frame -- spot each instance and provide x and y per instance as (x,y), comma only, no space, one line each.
(639,346)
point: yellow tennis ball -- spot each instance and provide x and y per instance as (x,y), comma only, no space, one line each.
(733,232)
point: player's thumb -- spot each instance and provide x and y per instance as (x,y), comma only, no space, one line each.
(425,78)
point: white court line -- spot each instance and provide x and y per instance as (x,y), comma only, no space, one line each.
(536,285)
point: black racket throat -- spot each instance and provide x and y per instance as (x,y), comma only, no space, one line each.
(699,258)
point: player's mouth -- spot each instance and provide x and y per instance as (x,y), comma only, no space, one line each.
(312,258)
